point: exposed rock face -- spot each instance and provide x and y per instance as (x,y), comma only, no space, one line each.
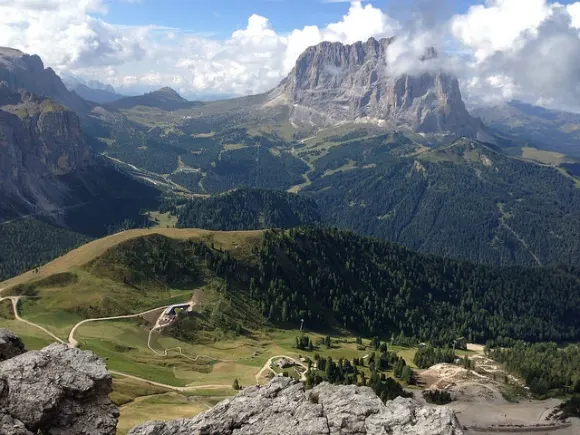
(58,391)
(10,345)
(38,139)
(334,83)
(23,71)
(283,407)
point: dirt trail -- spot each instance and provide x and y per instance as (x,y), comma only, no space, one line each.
(267,367)
(72,342)
(15,300)
(172,387)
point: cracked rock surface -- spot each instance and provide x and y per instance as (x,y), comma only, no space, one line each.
(55,391)
(284,407)
(10,345)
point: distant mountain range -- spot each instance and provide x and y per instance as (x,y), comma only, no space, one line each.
(398,157)
(540,127)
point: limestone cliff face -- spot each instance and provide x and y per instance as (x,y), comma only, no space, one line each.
(39,139)
(334,83)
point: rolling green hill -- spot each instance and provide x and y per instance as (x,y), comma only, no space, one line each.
(329,278)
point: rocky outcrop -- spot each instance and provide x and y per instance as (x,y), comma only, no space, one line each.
(334,83)
(23,71)
(10,345)
(38,139)
(284,407)
(56,391)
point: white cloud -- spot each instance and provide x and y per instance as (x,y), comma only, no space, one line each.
(252,60)
(521,49)
(503,49)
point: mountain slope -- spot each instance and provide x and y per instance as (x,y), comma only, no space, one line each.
(334,83)
(40,139)
(249,209)
(326,277)
(165,99)
(50,182)
(467,200)
(540,127)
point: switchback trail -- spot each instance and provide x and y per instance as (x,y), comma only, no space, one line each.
(72,342)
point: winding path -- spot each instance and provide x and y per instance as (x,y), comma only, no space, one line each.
(173,387)
(15,300)
(72,342)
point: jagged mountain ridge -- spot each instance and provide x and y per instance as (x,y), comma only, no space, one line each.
(23,71)
(334,83)
(284,407)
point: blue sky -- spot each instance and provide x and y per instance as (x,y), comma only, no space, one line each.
(222,17)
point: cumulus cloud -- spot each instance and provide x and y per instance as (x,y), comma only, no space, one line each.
(533,55)
(500,49)
(77,39)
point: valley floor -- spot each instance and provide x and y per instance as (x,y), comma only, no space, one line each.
(159,377)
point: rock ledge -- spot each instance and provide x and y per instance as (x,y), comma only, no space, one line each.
(284,407)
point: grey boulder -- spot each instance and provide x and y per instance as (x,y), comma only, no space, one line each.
(10,345)
(284,407)
(56,391)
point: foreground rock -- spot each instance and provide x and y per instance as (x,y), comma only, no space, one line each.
(10,345)
(56,391)
(283,407)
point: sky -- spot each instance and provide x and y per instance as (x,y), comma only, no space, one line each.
(499,49)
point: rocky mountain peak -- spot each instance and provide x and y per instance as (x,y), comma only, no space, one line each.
(333,83)
(170,93)
(56,390)
(22,71)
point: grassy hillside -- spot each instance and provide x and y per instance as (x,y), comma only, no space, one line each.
(251,292)
(329,278)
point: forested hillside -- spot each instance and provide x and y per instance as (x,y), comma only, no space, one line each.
(545,367)
(467,201)
(28,243)
(248,209)
(336,279)
(381,288)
